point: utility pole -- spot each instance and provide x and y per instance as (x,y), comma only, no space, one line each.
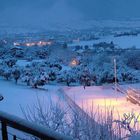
(115,75)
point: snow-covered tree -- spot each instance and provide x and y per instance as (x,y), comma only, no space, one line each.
(16,72)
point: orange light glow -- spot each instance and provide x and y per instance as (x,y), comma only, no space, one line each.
(74,62)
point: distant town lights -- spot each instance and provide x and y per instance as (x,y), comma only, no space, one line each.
(49,42)
(16,44)
(30,44)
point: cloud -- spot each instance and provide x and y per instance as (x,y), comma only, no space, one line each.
(41,12)
(107,9)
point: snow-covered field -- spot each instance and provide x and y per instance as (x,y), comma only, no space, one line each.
(121,42)
(103,97)
(20,95)
(89,99)
(92,97)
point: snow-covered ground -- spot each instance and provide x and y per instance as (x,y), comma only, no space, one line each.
(94,96)
(121,42)
(23,63)
(20,95)
(103,97)
(89,99)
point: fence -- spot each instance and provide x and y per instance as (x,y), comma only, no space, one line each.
(25,126)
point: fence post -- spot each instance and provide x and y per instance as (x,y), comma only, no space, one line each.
(14,137)
(4,131)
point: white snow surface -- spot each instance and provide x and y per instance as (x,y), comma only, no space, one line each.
(16,95)
(121,42)
(90,98)
(23,63)
(94,96)
(102,96)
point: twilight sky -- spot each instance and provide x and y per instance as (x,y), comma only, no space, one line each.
(37,12)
